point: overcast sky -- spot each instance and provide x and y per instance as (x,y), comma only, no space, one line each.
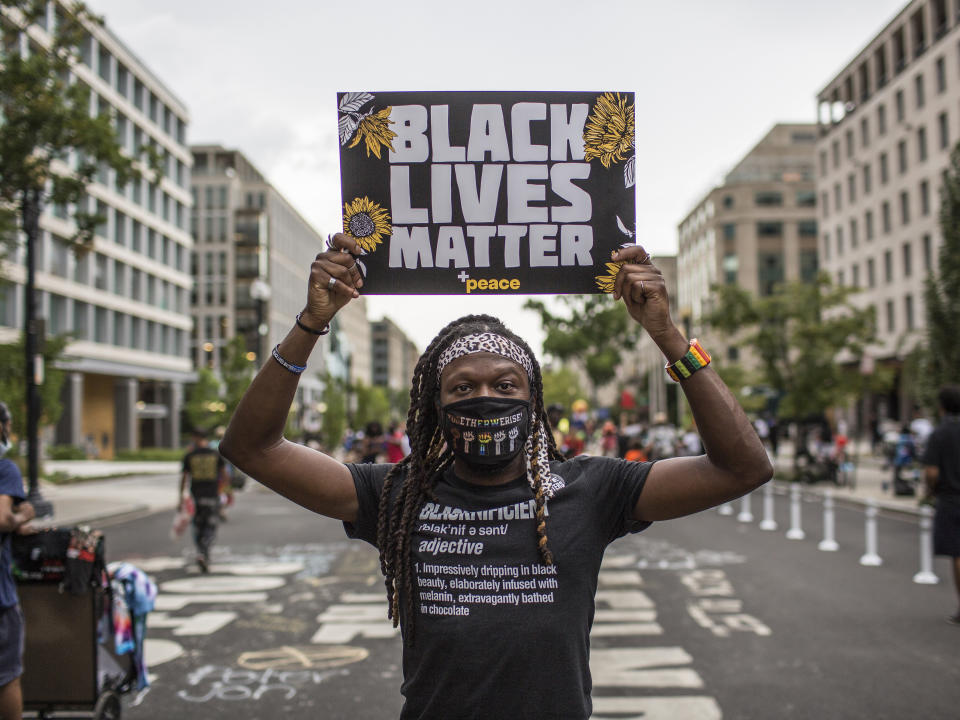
(710,79)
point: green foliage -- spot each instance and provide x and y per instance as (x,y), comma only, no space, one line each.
(47,114)
(561,387)
(937,360)
(373,404)
(594,330)
(13,385)
(334,421)
(399,404)
(154,454)
(204,406)
(237,374)
(799,333)
(66,452)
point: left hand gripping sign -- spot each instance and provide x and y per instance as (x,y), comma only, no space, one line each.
(452,193)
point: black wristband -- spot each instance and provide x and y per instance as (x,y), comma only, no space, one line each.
(324,331)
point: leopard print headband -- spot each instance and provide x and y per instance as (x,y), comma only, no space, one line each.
(486,342)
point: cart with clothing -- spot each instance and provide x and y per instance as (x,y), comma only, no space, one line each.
(85,624)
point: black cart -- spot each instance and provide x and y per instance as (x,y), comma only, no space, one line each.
(69,663)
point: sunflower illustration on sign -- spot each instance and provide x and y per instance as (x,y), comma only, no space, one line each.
(605,282)
(371,126)
(608,134)
(366,222)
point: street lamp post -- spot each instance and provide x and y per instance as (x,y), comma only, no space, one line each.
(260,291)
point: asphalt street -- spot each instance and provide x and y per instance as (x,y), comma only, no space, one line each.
(703,617)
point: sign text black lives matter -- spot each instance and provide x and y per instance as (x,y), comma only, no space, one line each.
(487,192)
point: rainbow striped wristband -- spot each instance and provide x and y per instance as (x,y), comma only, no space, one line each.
(695,359)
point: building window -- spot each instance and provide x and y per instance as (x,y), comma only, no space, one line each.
(854,233)
(868,224)
(891,319)
(100,325)
(899,50)
(808,265)
(768,199)
(823,167)
(871,275)
(904,208)
(888,266)
(918,32)
(727,199)
(898,102)
(884,169)
(907,260)
(867,180)
(849,143)
(806,198)
(880,66)
(837,196)
(841,278)
(941,70)
(731,263)
(927,253)
(826,246)
(807,228)
(921,144)
(944,130)
(835,152)
(824,203)
(864,132)
(852,188)
(769,271)
(924,198)
(908,311)
(769,229)
(885,216)
(919,91)
(902,156)
(939,18)
(881,119)
(729,231)
(855,275)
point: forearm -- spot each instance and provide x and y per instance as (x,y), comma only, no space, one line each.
(260,418)
(729,439)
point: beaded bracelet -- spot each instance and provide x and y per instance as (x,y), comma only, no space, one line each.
(696,358)
(323,331)
(295,369)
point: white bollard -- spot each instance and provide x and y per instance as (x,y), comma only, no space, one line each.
(926,576)
(829,542)
(870,557)
(768,523)
(745,516)
(725,509)
(795,532)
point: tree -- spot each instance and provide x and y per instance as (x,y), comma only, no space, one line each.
(939,356)
(561,387)
(373,405)
(51,146)
(334,422)
(204,407)
(236,374)
(799,334)
(594,330)
(12,390)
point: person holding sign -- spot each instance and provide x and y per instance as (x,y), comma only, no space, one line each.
(490,542)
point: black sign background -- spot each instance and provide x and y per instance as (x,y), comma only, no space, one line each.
(363,175)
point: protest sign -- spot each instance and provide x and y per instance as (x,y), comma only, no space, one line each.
(453,193)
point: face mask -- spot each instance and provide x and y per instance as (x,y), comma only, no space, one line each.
(486,431)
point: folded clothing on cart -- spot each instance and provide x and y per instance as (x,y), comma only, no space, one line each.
(134,594)
(73,557)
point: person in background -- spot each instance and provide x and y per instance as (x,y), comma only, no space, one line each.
(691,442)
(608,439)
(15,513)
(205,470)
(373,443)
(942,476)
(398,444)
(904,455)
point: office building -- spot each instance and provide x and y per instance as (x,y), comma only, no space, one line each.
(394,355)
(755,230)
(887,123)
(126,301)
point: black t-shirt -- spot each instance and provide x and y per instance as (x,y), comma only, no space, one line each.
(498,634)
(943,452)
(203,464)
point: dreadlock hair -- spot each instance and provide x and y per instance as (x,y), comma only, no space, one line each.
(429,457)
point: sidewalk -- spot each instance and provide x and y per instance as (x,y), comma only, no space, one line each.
(146,487)
(868,480)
